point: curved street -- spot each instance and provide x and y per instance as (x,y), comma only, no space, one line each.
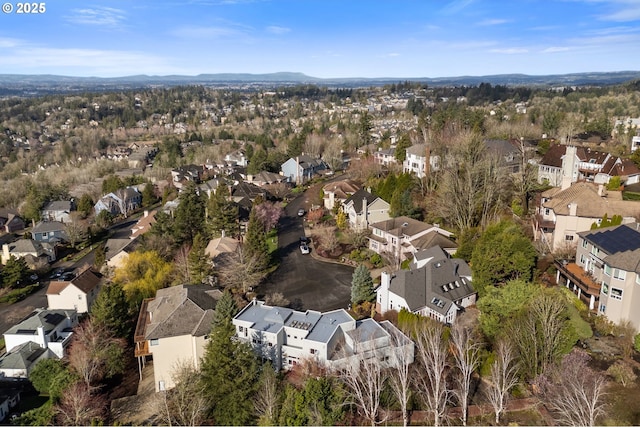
(306,282)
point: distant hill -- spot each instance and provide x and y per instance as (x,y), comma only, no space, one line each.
(15,84)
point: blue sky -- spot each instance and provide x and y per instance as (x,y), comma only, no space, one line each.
(322,38)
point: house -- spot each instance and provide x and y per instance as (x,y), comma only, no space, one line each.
(9,398)
(49,329)
(209,187)
(50,232)
(338,192)
(144,224)
(401,236)
(301,169)
(221,247)
(416,160)
(36,254)
(120,202)
(606,272)
(77,294)
(364,208)
(19,362)
(385,157)
(265,178)
(563,165)
(117,251)
(435,286)
(173,327)
(507,153)
(562,214)
(183,174)
(237,158)
(58,210)
(10,221)
(334,339)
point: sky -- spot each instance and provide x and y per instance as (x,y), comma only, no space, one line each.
(321,38)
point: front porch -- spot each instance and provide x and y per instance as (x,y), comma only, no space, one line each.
(579,282)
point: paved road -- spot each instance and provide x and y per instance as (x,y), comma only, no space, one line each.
(306,282)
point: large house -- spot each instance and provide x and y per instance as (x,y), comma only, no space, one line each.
(173,328)
(49,329)
(606,273)
(436,286)
(417,158)
(364,208)
(562,214)
(385,156)
(302,168)
(19,362)
(563,165)
(334,339)
(77,294)
(50,232)
(58,210)
(120,202)
(338,192)
(36,254)
(401,236)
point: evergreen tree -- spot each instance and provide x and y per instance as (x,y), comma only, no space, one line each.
(362,286)
(111,309)
(230,376)
(148,195)
(258,162)
(255,241)
(15,273)
(223,213)
(189,216)
(226,308)
(199,261)
(364,128)
(100,257)
(85,205)
(401,148)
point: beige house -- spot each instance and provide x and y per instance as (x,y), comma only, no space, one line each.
(173,328)
(117,251)
(77,294)
(338,192)
(364,208)
(562,214)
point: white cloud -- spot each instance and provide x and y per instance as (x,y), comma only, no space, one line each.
(9,43)
(510,50)
(491,22)
(206,32)
(274,29)
(100,16)
(555,49)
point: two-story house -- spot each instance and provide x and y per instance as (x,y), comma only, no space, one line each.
(606,272)
(302,168)
(10,221)
(385,156)
(120,202)
(173,327)
(435,286)
(417,158)
(364,208)
(50,329)
(58,210)
(49,232)
(338,192)
(400,236)
(77,294)
(36,254)
(19,362)
(334,339)
(562,214)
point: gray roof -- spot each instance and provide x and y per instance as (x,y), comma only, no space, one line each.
(114,246)
(425,286)
(40,317)
(22,356)
(627,260)
(357,198)
(25,245)
(47,226)
(418,150)
(181,310)
(402,225)
(366,330)
(59,205)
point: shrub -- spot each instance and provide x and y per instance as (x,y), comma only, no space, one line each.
(376,260)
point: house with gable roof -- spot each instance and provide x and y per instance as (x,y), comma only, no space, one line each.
(338,192)
(334,338)
(417,158)
(58,210)
(36,254)
(50,232)
(49,329)
(302,168)
(19,362)
(174,327)
(77,294)
(10,221)
(435,286)
(364,208)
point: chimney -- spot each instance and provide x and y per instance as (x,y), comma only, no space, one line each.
(365,213)
(601,191)
(568,167)
(146,213)
(223,233)
(5,253)
(573,209)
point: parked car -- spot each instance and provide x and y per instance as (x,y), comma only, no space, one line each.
(301,212)
(304,249)
(304,240)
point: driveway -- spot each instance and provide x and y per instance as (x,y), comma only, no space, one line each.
(308,283)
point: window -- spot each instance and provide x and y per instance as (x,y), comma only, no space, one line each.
(568,237)
(153,342)
(241,328)
(313,351)
(582,259)
(616,293)
(547,211)
(584,244)
(605,289)
(603,308)
(638,278)
(607,270)
(595,251)
(619,274)
(79,296)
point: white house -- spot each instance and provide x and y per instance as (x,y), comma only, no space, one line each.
(436,286)
(77,294)
(19,362)
(334,339)
(416,160)
(51,329)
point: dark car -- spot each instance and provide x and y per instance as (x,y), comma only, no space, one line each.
(56,273)
(304,240)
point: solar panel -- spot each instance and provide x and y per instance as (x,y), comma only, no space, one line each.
(616,240)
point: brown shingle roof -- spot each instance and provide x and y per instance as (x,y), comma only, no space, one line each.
(589,204)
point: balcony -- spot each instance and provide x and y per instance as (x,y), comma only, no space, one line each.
(580,282)
(142,349)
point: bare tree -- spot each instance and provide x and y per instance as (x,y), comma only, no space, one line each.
(502,379)
(78,406)
(365,378)
(332,154)
(432,378)
(574,391)
(184,404)
(314,145)
(241,271)
(399,374)
(276,299)
(466,353)
(75,228)
(267,399)
(181,262)
(327,237)
(95,353)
